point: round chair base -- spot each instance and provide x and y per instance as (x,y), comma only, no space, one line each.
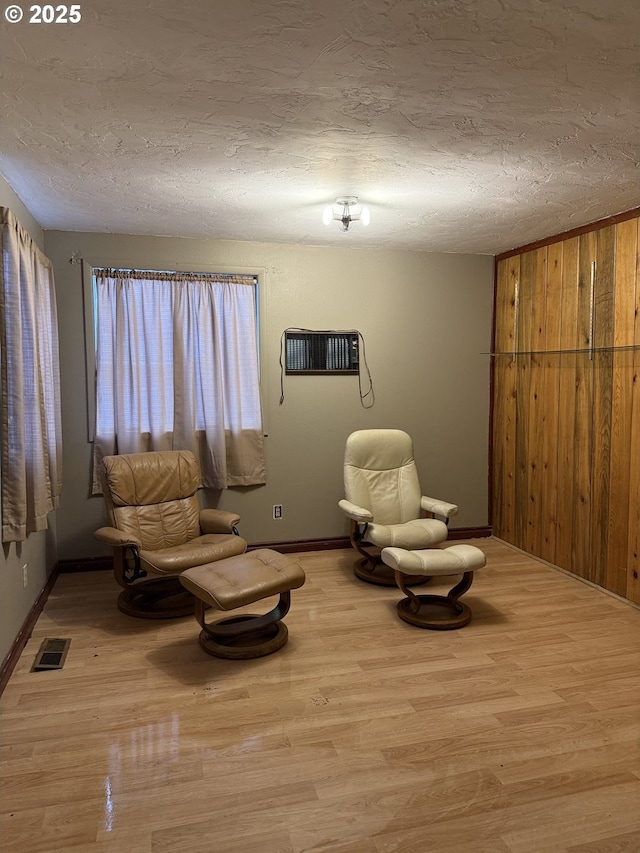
(242,646)
(435,612)
(382,575)
(160,598)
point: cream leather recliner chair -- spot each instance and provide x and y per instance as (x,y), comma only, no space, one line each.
(385,503)
(158,530)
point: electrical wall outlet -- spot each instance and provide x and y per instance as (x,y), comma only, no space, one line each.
(277,511)
(25,576)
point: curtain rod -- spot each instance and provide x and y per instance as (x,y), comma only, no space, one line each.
(174,275)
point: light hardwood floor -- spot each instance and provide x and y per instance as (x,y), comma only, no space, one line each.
(517,734)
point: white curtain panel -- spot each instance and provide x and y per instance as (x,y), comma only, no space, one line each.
(177,368)
(31,421)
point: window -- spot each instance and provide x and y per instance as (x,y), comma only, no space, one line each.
(177,368)
(31,421)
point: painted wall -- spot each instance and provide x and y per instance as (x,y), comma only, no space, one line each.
(38,552)
(426,319)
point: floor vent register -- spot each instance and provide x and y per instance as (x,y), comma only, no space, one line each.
(51,654)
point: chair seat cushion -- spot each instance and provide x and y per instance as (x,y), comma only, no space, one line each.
(200,550)
(453,560)
(242,580)
(419,533)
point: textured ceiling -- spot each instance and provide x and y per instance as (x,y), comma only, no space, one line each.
(465,125)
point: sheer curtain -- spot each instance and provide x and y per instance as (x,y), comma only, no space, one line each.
(31,421)
(177,368)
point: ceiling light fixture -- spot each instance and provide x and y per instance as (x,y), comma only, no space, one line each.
(346,215)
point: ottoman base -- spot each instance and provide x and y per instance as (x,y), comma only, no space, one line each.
(435,612)
(239,646)
(236,582)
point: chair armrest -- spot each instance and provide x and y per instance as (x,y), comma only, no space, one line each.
(218,521)
(357,513)
(115,537)
(441,508)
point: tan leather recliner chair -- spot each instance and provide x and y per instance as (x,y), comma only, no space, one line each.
(385,503)
(158,530)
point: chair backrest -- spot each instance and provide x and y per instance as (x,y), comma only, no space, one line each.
(153,496)
(380,475)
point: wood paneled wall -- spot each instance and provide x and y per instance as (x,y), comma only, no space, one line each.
(566,405)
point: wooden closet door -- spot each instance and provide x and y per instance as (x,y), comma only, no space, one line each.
(603,320)
(623,540)
(549,410)
(566,417)
(566,532)
(581,562)
(527,479)
(504,400)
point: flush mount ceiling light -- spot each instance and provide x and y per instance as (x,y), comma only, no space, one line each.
(349,212)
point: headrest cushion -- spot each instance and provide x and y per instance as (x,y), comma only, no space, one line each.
(141,479)
(379,449)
